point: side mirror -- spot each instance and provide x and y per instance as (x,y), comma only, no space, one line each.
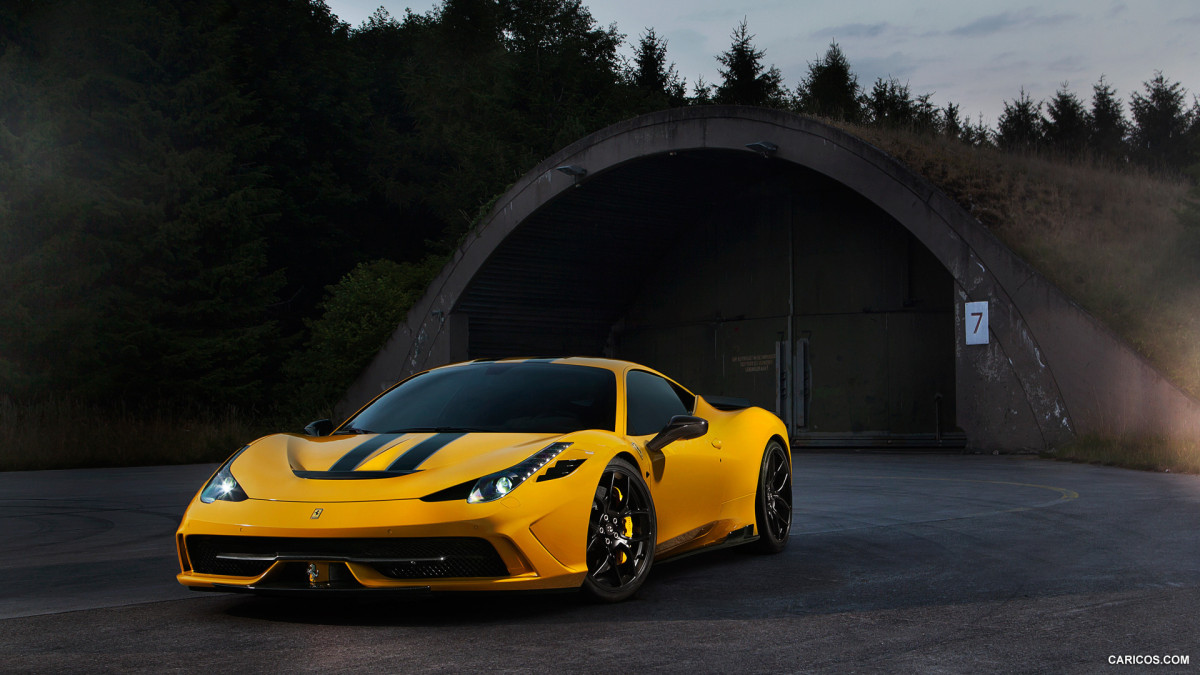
(681,427)
(319,428)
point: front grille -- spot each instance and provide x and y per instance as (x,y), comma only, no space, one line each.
(395,557)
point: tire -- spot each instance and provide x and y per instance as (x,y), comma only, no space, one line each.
(773,500)
(621,534)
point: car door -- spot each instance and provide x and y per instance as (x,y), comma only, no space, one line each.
(686,478)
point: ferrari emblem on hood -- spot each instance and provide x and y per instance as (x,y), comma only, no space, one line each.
(317,514)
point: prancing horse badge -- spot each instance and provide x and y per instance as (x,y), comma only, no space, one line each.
(316,514)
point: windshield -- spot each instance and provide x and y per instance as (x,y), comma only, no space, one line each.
(508,397)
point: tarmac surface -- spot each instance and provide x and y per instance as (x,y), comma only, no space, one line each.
(897,562)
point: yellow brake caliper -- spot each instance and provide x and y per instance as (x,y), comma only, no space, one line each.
(626,528)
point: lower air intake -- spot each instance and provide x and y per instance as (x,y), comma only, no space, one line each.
(397,558)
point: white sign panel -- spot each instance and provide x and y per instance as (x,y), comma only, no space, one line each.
(976,320)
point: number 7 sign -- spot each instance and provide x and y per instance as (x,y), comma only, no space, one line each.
(976,322)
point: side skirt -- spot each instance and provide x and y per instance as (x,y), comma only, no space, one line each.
(738,537)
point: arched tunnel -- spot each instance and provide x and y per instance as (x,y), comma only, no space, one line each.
(692,262)
(756,253)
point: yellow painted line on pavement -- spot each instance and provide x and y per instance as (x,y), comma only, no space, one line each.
(1065,495)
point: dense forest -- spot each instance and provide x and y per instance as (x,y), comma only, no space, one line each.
(215,202)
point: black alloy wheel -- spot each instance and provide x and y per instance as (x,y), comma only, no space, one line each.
(773,502)
(621,534)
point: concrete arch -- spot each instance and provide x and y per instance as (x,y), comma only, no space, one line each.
(1049,371)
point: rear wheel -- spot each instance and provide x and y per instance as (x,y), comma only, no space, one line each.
(621,534)
(773,501)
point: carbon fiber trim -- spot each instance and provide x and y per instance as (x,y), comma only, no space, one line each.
(296,591)
(563,467)
(398,557)
(349,475)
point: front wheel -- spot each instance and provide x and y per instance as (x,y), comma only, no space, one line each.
(621,534)
(773,501)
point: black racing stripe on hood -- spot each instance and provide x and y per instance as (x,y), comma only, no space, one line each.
(423,451)
(349,475)
(352,459)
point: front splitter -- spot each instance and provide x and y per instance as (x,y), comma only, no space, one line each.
(273,590)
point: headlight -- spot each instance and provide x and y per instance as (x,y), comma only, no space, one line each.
(496,485)
(223,485)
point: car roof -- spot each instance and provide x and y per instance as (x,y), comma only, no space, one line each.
(615,365)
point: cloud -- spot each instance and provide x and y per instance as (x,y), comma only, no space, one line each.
(1071,64)
(726,15)
(1003,21)
(853,30)
(897,64)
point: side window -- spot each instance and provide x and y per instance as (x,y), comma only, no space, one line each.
(651,402)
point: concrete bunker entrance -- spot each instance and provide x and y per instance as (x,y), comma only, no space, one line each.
(759,253)
(740,276)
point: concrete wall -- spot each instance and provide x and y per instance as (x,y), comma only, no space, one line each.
(1049,371)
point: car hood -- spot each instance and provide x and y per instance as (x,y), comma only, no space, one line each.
(372,467)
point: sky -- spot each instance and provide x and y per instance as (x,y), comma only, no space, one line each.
(975,54)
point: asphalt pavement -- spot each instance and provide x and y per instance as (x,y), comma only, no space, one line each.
(898,562)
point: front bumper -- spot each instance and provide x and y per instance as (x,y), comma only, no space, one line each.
(271,546)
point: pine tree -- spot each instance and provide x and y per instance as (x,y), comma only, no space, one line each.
(1160,124)
(952,126)
(745,81)
(1067,123)
(653,74)
(702,92)
(1020,126)
(830,89)
(889,104)
(1107,127)
(978,134)
(926,116)
(1193,141)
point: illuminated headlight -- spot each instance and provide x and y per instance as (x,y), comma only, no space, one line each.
(496,485)
(223,486)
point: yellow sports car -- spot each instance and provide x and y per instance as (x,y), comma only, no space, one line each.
(495,474)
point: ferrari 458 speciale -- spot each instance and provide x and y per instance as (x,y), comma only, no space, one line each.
(495,474)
